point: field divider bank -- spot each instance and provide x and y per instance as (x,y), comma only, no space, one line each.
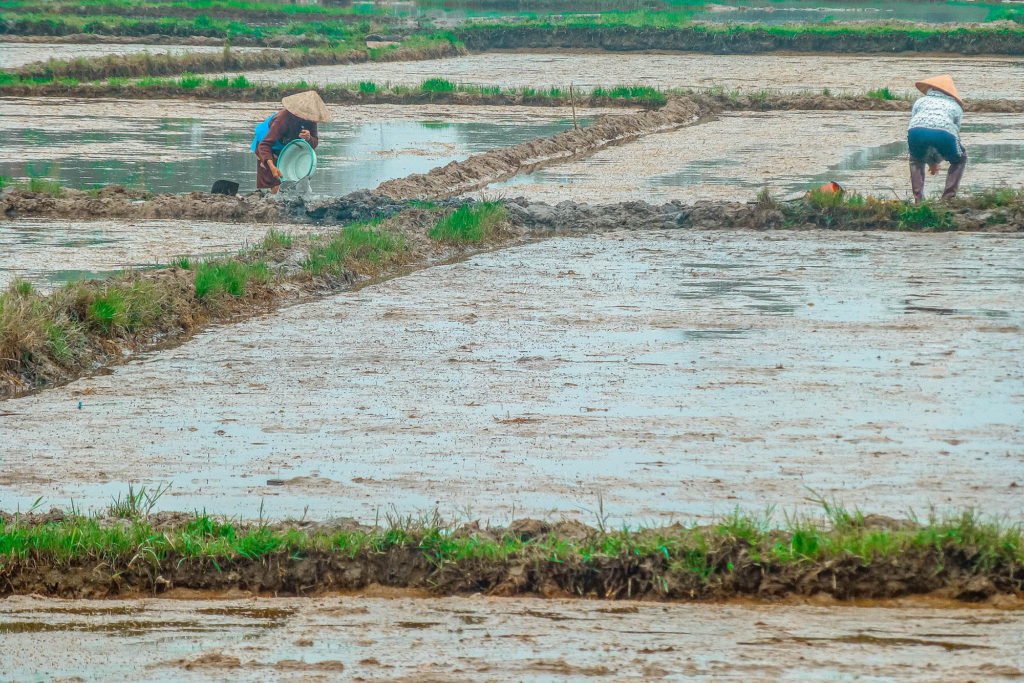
(846,556)
(145,64)
(584,33)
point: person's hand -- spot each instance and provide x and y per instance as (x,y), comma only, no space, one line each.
(274,169)
(305,135)
(933,168)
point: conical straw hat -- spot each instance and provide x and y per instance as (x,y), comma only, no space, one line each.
(943,83)
(308,105)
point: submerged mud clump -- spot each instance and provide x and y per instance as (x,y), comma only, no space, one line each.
(961,558)
(483,169)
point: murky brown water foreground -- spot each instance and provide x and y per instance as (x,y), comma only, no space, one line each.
(978,77)
(675,374)
(479,638)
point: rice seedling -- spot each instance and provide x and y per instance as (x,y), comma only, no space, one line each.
(227,276)
(275,239)
(355,244)
(437,85)
(240,82)
(367,87)
(882,94)
(189,80)
(45,186)
(924,216)
(469,223)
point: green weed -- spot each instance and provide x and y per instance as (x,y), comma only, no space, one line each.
(45,186)
(367,87)
(240,82)
(276,240)
(924,216)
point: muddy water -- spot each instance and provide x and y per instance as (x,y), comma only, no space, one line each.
(738,154)
(50,252)
(186,146)
(979,77)
(13,55)
(674,374)
(498,639)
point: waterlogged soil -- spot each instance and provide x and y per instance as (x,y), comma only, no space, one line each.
(976,77)
(813,12)
(50,252)
(734,156)
(398,636)
(14,55)
(665,374)
(176,146)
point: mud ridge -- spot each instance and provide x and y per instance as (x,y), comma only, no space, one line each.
(659,564)
(483,169)
(144,64)
(747,40)
(331,94)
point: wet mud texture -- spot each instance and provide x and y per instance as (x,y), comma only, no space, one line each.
(115,201)
(275,40)
(677,374)
(483,169)
(625,38)
(174,65)
(391,635)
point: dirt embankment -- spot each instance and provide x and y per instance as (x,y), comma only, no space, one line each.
(746,41)
(483,169)
(668,568)
(331,95)
(276,40)
(145,64)
(972,213)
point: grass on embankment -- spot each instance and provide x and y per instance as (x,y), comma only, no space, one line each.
(145,64)
(470,223)
(193,86)
(846,555)
(852,211)
(57,336)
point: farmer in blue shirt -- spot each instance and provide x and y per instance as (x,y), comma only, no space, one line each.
(297,119)
(934,135)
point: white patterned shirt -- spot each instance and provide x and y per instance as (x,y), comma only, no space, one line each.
(937,111)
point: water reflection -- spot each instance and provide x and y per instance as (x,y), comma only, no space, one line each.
(184,155)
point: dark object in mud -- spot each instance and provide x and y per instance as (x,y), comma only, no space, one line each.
(225,187)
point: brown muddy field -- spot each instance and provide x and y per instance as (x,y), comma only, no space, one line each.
(672,374)
(1003,76)
(737,154)
(389,635)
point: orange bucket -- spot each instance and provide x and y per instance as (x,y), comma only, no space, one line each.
(830,188)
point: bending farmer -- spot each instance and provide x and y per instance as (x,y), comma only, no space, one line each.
(934,135)
(298,119)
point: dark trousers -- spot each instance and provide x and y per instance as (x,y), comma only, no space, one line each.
(928,145)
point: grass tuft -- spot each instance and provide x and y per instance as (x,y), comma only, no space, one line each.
(469,223)
(357,244)
(228,276)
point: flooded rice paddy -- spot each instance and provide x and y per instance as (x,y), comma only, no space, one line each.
(176,146)
(400,638)
(813,11)
(50,252)
(14,55)
(1003,76)
(736,155)
(674,374)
